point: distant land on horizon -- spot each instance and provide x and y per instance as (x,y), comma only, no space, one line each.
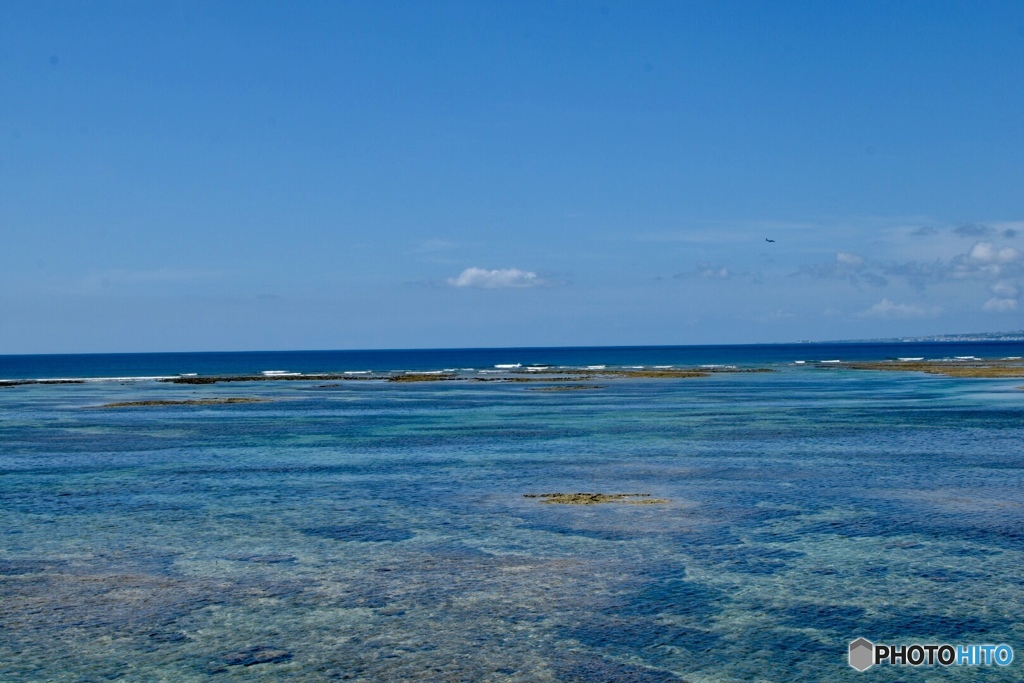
(1017,335)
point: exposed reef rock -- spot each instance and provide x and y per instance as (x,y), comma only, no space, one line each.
(265,378)
(581,378)
(422,377)
(949,368)
(188,402)
(596,498)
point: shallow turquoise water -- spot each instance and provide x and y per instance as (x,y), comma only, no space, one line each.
(372,531)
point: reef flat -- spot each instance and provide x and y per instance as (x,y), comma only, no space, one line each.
(949,368)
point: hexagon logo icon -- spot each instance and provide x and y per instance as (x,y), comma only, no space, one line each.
(862,654)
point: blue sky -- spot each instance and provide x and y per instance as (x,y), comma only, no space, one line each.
(231,176)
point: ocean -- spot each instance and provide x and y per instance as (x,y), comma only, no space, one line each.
(128,365)
(325,530)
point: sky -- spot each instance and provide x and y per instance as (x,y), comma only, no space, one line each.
(194,176)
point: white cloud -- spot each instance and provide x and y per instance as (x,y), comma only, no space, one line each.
(849,259)
(985,260)
(716,273)
(890,309)
(997,305)
(1005,289)
(1005,299)
(707,271)
(500,278)
(984,253)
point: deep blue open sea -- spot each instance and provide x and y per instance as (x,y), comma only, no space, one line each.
(241,363)
(378,531)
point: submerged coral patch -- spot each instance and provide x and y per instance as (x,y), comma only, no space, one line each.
(259,654)
(580,668)
(363,533)
(596,498)
(263,559)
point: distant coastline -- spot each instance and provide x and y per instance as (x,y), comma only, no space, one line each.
(1014,336)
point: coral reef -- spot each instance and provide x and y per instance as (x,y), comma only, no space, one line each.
(953,368)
